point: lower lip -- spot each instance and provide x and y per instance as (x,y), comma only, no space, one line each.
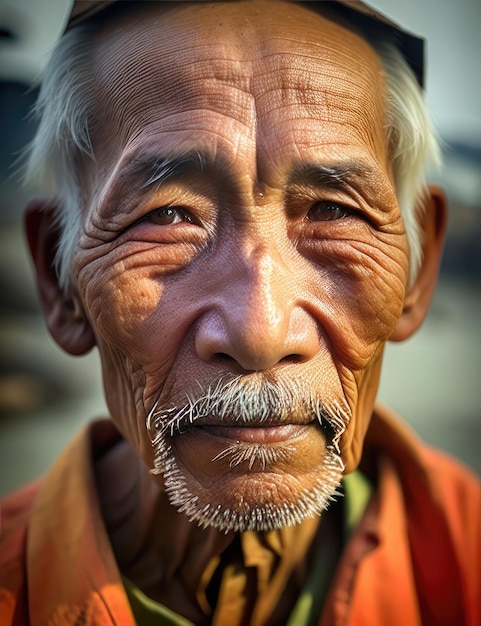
(269,434)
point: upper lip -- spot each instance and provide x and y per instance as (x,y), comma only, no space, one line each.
(233,421)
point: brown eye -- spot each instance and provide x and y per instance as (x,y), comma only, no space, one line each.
(167,215)
(327,212)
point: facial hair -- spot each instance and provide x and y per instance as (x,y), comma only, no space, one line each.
(256,402)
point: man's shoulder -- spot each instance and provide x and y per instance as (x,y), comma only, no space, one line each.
(29,509)
(455,493)
(18,503)
(16,508)
(430,504)
(418,460)
(15,512)
(441,496)
(450,474)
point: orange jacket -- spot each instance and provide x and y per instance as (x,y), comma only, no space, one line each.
(415,559)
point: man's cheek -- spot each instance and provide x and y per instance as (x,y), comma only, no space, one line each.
(126,388)
(122,306)
(365,303)
(142,323)
(360,309)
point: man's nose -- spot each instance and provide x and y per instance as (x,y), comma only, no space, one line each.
(257,316)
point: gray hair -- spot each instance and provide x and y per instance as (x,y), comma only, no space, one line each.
(62,142)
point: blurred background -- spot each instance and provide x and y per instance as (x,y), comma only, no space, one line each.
(433,380)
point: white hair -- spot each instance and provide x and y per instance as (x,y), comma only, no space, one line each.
(413,142)
(62,142)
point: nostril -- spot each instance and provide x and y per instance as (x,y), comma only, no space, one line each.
(292,358)
(223,356)
(228,362)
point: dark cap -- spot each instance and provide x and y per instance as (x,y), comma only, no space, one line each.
(410,46)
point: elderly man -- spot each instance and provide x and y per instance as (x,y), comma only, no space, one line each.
(235,215)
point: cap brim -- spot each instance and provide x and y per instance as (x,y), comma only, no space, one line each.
(83,9)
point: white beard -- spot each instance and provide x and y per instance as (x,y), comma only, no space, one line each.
(255,402)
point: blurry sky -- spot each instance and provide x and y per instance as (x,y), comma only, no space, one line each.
(452,29)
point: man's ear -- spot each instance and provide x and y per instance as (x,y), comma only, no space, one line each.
(63,312)
(418,297)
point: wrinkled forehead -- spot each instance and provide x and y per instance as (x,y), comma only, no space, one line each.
(157,36)
(249,58)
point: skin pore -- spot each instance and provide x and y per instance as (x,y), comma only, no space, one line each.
(241,236)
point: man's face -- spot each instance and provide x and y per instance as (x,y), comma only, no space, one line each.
(243,259)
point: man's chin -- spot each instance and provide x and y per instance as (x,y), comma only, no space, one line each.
(256,479)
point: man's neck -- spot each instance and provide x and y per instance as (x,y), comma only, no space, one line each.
(156,548)
(183,567)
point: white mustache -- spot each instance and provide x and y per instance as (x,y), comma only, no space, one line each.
(256,401)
